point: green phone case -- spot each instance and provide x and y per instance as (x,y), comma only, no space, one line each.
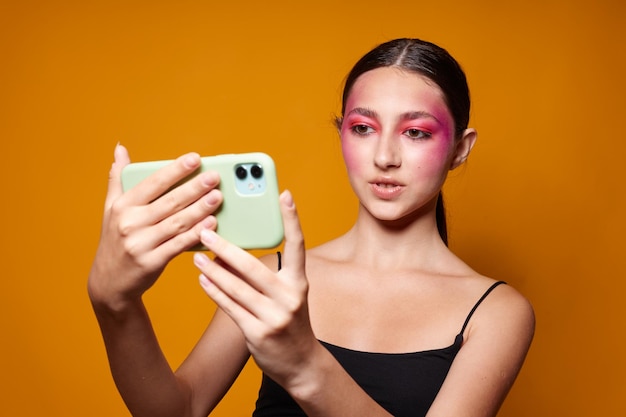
(249,215)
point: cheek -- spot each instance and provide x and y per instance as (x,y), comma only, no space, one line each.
(438,159)
(350,156)
(442,154)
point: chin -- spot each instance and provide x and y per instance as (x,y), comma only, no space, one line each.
(397,222)
(400,217)
(393,218)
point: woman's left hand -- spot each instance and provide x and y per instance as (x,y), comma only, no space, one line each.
(269,306)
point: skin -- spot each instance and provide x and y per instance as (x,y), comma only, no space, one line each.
(387,285)
(398,144)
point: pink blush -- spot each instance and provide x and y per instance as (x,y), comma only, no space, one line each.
(437,156)
(348,155)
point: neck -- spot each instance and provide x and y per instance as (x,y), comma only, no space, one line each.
(406,243)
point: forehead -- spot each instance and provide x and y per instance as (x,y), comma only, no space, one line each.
(393,89)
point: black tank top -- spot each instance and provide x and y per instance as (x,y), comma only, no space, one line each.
(405,384)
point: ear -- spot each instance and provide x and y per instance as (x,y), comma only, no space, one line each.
(463,147)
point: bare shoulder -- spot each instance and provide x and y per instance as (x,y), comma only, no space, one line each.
(504,323)
(506,307)
(495,344)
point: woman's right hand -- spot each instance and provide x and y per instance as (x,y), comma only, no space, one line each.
(143,228)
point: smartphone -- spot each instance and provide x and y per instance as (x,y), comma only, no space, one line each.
(249,215)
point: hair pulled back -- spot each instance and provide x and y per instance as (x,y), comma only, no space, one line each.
(436,64)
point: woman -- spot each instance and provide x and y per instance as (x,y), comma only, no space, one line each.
(384,320)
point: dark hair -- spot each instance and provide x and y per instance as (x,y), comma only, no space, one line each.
(432,62)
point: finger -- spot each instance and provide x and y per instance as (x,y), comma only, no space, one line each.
(159,182)
(187,194)
(244,319)
(229,292)
(181,232)
(245,265)
(224,265)
(165,252)
(185,222)
(294,257)
(120,160)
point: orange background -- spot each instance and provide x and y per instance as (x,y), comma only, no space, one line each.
(540,203)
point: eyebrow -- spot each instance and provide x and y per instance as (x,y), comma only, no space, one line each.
(412,115)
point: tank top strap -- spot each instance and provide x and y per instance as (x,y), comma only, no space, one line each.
(480,300)
(280,260)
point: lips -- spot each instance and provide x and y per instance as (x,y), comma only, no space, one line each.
(386,189)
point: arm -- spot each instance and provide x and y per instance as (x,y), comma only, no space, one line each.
(492,355)
(271,310)
(140,371)
(498,339)
(141,233)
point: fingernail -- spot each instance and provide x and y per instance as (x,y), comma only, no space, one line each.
(200,259)
(211,199)
(209,223)
(192,160)
(117,150)
(208,236)
(288,198)
(209,179)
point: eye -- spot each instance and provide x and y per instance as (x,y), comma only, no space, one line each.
(417,134)
(362,130)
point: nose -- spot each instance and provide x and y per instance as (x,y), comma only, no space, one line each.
(387,153)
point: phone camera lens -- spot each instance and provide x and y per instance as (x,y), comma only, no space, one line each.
(256,171)
(241,173)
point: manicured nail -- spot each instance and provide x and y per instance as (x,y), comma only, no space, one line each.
(209,223)
(200,259)
(210,179)
(118,149)
(208,236)
(288,198)
(192,160)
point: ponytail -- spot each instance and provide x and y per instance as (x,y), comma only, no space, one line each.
(440,214)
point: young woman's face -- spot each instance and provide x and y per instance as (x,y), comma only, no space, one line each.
(398,142)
